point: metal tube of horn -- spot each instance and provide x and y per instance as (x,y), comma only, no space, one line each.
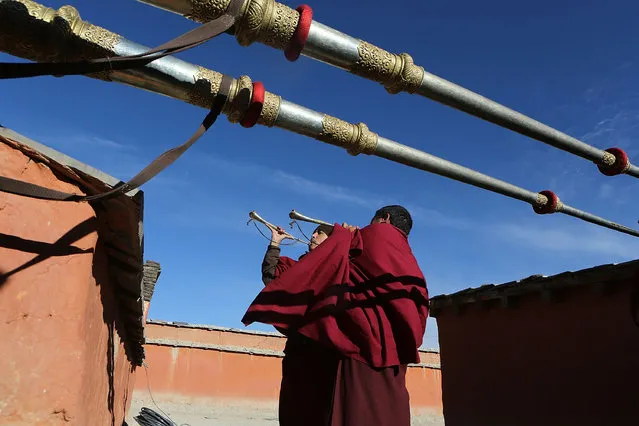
(256,217)
(33,31)
(275,24)
(298,216)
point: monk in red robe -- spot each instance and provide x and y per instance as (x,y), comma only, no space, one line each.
(354,310)
(274,265)
(305,362)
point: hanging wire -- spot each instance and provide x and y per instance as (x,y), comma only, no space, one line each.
(300,228)
(149,417)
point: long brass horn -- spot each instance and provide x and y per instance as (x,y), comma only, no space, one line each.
(274,24)
(32,31)
(298,216)
(256,217)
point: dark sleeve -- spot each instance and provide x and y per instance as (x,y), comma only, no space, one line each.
(269,264)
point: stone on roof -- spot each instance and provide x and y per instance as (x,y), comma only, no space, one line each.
(152,272)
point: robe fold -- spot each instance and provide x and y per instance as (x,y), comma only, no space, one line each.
(360,293)
(283,265)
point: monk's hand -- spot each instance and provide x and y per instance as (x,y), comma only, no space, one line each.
(278,235)
(350,227)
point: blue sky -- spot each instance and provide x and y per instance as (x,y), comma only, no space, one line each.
(570,64)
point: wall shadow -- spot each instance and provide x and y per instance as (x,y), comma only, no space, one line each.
(102,279)
(102,274)
(62,247)
(106,277)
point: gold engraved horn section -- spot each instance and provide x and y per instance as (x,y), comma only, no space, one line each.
(239,99)
(207,85)
(270,110)
(397,73)
(27,33)
(268,22)
(263,21)
(207,10)
(355,138)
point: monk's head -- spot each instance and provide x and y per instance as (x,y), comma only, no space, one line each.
(397,216)
(321,233)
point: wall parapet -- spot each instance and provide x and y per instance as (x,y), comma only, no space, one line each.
(244,350)
(273,334)
(180,324)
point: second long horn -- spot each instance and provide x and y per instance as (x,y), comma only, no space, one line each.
(298,216)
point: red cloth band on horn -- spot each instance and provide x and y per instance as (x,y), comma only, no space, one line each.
(550,206)
(621,163)
(254,109)
(300,35)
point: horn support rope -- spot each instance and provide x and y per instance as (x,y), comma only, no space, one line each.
(296,33)
(39,33)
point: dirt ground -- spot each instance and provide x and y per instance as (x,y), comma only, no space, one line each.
(206,412)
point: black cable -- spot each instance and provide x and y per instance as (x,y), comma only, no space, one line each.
(147,416)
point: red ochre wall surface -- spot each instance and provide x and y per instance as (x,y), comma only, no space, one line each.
(218,363)
(568,362)
(61,361)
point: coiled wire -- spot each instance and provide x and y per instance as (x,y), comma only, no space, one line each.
(148,417)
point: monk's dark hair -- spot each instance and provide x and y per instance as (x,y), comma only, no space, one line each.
(327,229)
(399,217)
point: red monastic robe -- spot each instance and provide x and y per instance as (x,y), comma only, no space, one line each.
(355,311)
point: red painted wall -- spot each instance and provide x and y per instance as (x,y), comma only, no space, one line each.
(199,362)
(570,362)
(57,311)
